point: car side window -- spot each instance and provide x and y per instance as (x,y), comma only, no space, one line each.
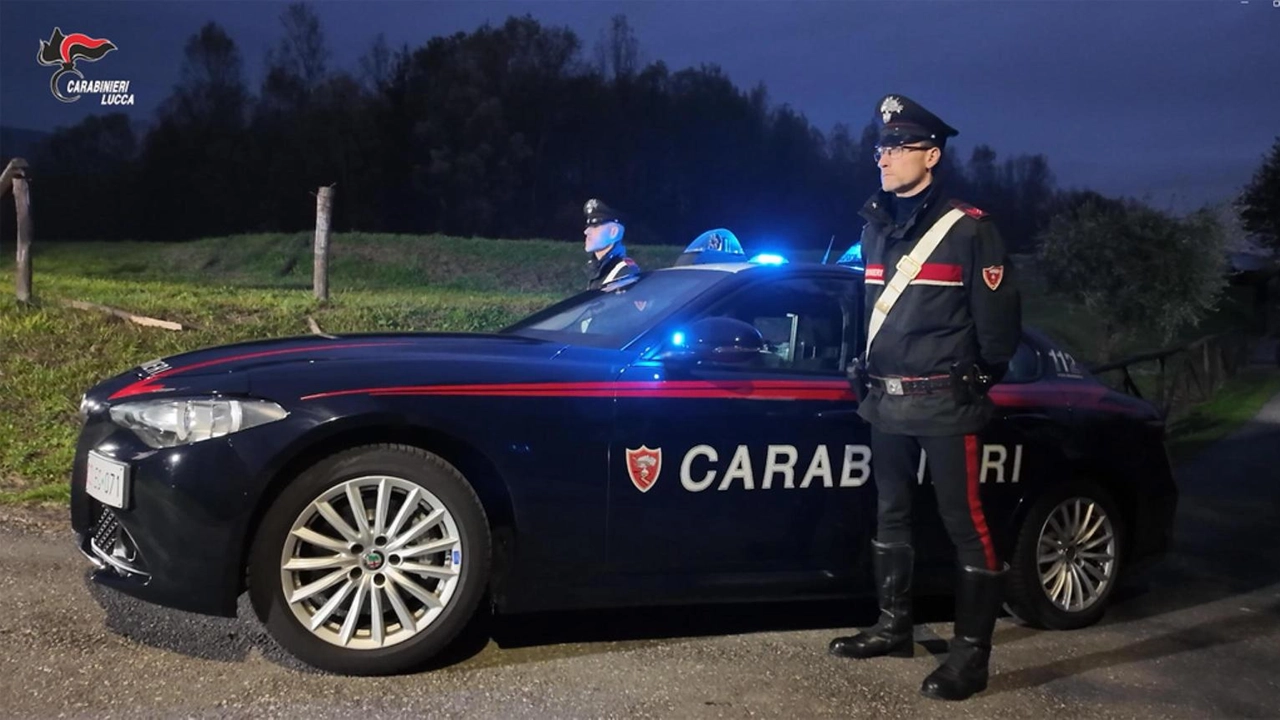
(1025,366)
(805,323)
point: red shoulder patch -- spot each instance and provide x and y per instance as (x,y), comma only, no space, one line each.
(993,275)
(968,209)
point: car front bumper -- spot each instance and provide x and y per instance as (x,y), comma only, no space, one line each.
(178,540)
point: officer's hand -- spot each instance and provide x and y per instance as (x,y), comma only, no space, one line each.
(996,371)
(858,379)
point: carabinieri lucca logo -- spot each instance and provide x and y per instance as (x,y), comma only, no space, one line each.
(65,51)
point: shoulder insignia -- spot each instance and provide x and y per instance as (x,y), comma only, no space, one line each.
(968,209)
(993,275)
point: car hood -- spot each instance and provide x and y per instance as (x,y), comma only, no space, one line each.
(227,369)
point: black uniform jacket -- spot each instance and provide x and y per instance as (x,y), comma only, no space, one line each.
(963,307)
(613,266)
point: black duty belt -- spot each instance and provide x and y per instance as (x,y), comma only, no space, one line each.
(912,385)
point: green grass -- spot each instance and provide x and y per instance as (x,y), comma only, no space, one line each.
(52,354)
(256,286)
(233,289)
(357,261)
(1237,402)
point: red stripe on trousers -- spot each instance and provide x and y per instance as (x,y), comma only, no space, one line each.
(975,501)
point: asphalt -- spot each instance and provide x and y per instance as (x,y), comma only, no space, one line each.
(1197,636)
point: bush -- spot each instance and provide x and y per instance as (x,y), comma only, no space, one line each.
(1138,271)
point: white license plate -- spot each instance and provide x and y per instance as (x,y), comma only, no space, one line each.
(107,481)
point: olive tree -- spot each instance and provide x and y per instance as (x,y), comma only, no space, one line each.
(1259,204)
(1137,271)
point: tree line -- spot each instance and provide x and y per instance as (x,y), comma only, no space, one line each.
(500,132)
(507,130)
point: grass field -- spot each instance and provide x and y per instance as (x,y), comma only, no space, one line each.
(255,286)
(232,289)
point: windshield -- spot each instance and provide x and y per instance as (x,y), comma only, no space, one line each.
(616,314)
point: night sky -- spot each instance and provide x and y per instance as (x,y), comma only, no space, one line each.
(1171,101)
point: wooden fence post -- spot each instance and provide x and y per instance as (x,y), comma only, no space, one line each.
(15,167)
(1189,373)
(320,272)
(22,206)
(1219,365)
(1160,388)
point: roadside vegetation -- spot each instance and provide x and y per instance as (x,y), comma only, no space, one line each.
(1238,401)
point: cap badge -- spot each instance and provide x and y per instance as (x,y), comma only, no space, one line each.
(890,106)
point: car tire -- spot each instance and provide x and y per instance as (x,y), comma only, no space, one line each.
(437,584)
(1045,588)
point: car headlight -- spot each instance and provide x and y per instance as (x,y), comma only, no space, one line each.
(169,423)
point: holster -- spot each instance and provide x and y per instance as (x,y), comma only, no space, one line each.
(969,382)
(859,380)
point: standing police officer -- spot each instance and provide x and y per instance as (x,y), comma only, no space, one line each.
(608,261)
(944,319)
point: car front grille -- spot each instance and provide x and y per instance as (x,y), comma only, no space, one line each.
(111,546)
(105,527)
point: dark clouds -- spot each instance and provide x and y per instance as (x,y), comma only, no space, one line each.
(1172,100)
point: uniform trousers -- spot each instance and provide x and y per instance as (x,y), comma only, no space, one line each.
(954,470)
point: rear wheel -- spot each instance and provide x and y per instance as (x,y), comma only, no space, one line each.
(1068,557)
(371,561)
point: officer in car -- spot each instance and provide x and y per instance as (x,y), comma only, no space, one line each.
(608,260)
(712,246)
(943,321)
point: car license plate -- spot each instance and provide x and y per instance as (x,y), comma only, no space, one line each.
(107,481)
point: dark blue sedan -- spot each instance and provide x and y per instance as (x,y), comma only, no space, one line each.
(682,437)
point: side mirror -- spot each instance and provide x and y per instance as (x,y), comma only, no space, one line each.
(716,339)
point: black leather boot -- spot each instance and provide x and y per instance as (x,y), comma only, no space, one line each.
(978,598)
(892,633)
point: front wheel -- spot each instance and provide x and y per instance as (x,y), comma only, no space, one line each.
(371,561)
(1068,557)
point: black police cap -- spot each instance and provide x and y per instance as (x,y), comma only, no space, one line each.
(598,213)
(905,121)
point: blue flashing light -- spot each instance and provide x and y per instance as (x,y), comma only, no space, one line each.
(768,259)
(677,339)
(720,240)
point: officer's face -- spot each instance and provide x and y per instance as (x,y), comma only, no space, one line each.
(599,237)
(906,169)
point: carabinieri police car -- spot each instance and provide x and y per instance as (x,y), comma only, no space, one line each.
(685,436)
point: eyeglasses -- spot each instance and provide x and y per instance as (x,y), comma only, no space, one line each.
(896,151)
